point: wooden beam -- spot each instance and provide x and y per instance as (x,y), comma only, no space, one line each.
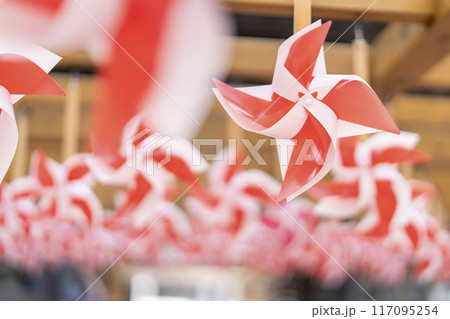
(75,61)
(254,59)
(264,7)
(20,162)
(437,77)
(302,14)
(382,10)
(71,118)
(434,140)
(361,58)
(389,46)
(414,109)
(420,50)
(46,122)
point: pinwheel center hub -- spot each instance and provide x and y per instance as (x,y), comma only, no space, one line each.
(308,101)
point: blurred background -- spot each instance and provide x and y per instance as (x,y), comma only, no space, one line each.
(402,48)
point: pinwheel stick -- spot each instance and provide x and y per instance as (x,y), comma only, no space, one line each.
(302,14)
(71,120)
(361,56)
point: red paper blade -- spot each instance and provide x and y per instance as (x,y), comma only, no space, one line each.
(22,76)
(347,147)
(335,188)
(355,102)
(386,204)
(399,155)
(130,73)
(251,108)
(301,171)
(304,53)
(41,170)
(48,6)
(135,195)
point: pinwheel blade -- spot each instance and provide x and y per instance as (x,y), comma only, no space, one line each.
(335,188)
(252,113)
(399,155)
(304,53)
(386,204)
(20,75)
(346,149)
(50,6)
(130,71)
(310,160)
(355,102)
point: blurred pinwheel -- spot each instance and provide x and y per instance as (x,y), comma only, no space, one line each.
(66,189)
(145,50)
(367,177)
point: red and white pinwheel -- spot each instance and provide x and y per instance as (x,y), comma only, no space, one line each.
(234,197)
(66,189)
(367,177)
(23,71)
(307,107)
(147,51)
(428,242)
(17,209)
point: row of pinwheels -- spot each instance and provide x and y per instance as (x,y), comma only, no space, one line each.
(369,220)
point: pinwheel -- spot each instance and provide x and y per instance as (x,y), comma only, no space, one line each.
(164,234)
(148,167)
(222,213)
(23,71)
(427,240)
(146,51)
(307,108)
(444,238)
(66,191)
(429,257)
(367,177)
(94,248)
(285,251)
(17,208)
(149,153)
(233,199)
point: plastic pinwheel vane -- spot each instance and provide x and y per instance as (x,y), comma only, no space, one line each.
(307,109)
(23,71)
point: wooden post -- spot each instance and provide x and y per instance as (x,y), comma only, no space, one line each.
(361,61)
(71,120)
(302,14)
(234,132)
(361,55)
(20,164)
(302,19)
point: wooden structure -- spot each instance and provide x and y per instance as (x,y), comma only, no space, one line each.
(408,64)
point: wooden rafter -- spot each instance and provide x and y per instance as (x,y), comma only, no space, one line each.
(420,108)
(418,49)
(252,60)
(382,10)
